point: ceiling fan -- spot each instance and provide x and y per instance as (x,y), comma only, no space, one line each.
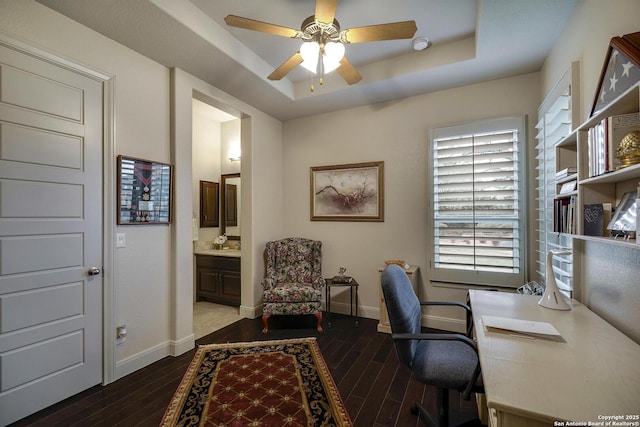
(323,49)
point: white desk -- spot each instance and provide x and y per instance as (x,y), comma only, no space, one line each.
(534,382)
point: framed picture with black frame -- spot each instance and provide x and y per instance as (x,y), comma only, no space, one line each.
(144,192)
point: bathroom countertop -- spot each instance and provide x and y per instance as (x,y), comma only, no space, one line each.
(233,253)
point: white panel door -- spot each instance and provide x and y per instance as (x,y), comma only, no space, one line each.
(50,234)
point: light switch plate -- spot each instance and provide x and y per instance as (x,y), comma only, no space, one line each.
(121,240)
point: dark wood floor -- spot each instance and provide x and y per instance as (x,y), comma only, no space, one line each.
(377,391)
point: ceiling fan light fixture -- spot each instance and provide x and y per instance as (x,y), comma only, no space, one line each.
(310,52)
(323,40)
(333,54)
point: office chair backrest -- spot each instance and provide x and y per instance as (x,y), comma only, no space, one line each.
(403,307)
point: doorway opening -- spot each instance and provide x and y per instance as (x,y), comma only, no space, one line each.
(215,153)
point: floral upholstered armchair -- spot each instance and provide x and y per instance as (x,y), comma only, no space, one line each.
(293,284)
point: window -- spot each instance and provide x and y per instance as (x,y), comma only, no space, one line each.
(479,192)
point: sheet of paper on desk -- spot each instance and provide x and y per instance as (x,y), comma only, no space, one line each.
(527,327)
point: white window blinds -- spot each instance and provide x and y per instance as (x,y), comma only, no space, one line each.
(478,202)
(557,117)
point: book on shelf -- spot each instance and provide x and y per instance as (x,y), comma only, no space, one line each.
(566,172)
(568,187)
(564,213)
(608,212)
(603,141)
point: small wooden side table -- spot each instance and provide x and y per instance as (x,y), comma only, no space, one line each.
(353,284)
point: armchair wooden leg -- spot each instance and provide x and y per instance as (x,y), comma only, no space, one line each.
(266,325)
(319,317)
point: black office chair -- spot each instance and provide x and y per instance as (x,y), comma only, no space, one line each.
(446,361)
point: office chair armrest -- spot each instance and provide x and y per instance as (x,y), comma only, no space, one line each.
(447,303)
(467,308)
(440,337)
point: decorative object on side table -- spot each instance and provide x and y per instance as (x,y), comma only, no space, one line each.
(341,278)
(620,71)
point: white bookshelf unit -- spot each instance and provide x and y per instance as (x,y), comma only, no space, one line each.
(608,187)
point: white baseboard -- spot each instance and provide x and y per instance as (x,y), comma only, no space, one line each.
(182,346)
(363,311)
(429,321)
(139,360)
(144,358)
(249,312)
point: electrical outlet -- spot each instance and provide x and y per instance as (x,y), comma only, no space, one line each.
(121,334)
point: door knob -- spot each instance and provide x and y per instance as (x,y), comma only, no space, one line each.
(94,271)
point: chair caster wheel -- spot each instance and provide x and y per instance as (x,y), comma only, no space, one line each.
(414,410)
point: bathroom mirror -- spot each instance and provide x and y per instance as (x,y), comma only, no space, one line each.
(230,205)
(209,206)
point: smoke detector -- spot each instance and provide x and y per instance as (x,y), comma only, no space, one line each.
(421,43)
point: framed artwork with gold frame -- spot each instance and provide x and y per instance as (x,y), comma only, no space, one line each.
(620,71)
(350,192)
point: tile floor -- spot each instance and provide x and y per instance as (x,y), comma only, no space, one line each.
(209,317)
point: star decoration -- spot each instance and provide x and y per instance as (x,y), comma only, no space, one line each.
(626,67)
(603,93)
(613,80)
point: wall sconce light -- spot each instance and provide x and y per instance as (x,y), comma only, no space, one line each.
(234,154)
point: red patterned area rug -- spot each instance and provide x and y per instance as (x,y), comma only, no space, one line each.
(263,383)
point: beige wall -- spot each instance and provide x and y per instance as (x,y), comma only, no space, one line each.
(398,133)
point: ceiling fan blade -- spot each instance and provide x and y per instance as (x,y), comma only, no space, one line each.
(288,65)
(348,72)
(326,10)
(265,27)
(371,33)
